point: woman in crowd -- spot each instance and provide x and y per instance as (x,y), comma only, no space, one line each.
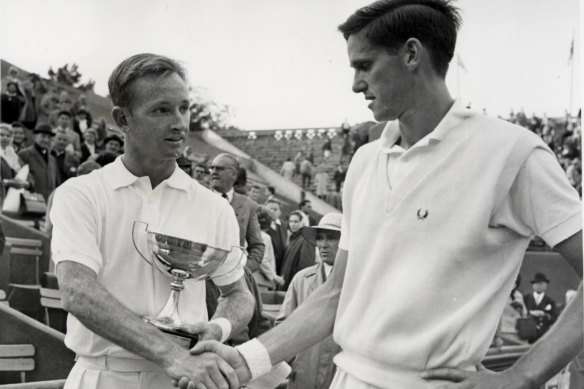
(10,164)
(19,137)
(300,253)
(266,276)
(515,309)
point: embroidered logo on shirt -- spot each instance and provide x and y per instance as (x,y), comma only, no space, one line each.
(422,214)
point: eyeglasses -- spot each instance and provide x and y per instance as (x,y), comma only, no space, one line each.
(220,168)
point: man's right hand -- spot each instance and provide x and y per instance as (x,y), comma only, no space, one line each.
(205,368)
(228,354)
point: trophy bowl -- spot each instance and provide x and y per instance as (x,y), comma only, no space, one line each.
(180,259)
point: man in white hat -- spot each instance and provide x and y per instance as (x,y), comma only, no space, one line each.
(314,367)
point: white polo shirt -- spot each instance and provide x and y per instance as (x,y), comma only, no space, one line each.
(435,238)
(93,217)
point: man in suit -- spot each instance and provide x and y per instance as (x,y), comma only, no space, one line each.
(224,170)
(67,161)
(539,305)
(43,166)
(278,233)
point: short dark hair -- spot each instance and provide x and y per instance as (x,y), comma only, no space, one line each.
(135,67)
(274,201)
(272,190)
(264,217)
(389,23)
(17,124)
(66,113)
(303,203)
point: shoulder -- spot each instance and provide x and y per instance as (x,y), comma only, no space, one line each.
(308,272)
(244,201)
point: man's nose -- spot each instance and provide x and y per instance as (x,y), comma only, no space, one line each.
(359,85)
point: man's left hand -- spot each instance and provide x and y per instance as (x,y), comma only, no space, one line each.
(480,379)
(205,330)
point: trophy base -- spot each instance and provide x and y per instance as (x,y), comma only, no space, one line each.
(177,334)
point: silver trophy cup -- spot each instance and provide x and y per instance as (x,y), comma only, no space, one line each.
(180,259)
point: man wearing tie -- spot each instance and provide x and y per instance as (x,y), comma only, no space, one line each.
(540,306)
(224,170)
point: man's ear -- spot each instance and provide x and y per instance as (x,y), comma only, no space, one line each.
(413,52)
(119,115)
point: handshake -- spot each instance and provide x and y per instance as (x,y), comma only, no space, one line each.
(211,364)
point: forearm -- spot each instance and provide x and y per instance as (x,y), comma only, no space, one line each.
(310,323)
(557,348)
(236,304)
(100,312)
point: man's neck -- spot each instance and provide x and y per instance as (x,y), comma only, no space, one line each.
(422,119)
(157,171)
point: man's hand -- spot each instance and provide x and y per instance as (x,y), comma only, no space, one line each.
(228,354)
(206,369)
(480,379)
(205,330)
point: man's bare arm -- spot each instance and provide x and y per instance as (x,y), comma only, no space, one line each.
(236,304)
(100,312)
(547,356)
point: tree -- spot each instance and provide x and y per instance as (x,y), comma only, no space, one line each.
(206,113)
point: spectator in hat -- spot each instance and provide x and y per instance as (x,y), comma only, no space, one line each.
(43,166)
(314,367)
(113,144)
(539,305)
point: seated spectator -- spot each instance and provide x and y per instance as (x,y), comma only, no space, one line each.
(88,147)
(507,333)
(255,193)
(20,139)
(314,367)
(271,194)
(12,103)
(265,276)
(65,124)
(67,161)
(10,164)
(300,253)
(43,166)
(201,174)
(113,144)
(82,122)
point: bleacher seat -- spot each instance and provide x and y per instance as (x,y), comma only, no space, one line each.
(17,357)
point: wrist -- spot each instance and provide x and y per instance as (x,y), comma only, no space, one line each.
(223,328)
(256,357)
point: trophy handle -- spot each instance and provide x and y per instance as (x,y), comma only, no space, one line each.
(140,234)
(242,255)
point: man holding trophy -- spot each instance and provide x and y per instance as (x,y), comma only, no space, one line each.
(129,235)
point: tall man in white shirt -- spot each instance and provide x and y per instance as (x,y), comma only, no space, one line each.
(437,215)
(107,288)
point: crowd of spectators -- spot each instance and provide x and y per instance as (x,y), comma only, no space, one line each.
(563,136)
(52,130)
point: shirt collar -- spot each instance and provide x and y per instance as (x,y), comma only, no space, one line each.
(122,177)
(229,194)
(453,117)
